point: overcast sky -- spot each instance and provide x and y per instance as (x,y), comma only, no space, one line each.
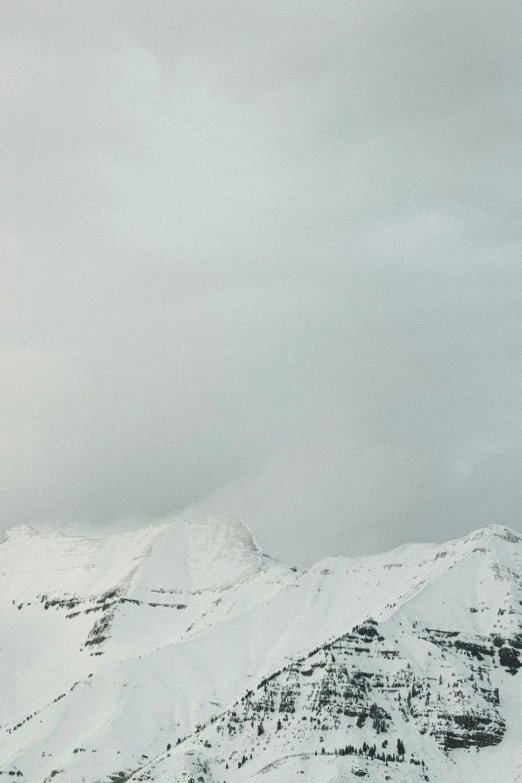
(262,258)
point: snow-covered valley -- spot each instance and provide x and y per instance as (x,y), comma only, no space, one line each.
(180,652)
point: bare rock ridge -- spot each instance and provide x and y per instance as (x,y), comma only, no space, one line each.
(179,652)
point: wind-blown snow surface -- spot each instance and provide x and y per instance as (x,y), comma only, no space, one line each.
(181,653)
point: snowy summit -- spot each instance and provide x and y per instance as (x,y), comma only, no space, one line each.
(181,652)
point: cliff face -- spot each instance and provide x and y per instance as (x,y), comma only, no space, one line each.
(181,652)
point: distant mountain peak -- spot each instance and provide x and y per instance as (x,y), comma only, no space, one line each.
(498,531)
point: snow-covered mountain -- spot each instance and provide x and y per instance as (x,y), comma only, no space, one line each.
(181,653)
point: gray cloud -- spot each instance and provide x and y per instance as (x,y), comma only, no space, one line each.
(265,260)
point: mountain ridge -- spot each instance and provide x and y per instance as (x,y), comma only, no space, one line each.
(186,635)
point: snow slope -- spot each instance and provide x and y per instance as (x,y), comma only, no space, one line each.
(181,653)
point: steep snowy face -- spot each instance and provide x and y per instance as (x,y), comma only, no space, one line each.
(201,554)
(180,652)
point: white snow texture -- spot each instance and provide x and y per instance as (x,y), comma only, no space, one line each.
(181,652)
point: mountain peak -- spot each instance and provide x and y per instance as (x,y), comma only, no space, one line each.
(185,554)
(495,531)
(207,553)
(501,531)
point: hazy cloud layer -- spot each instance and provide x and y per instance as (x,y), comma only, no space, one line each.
(262,259)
